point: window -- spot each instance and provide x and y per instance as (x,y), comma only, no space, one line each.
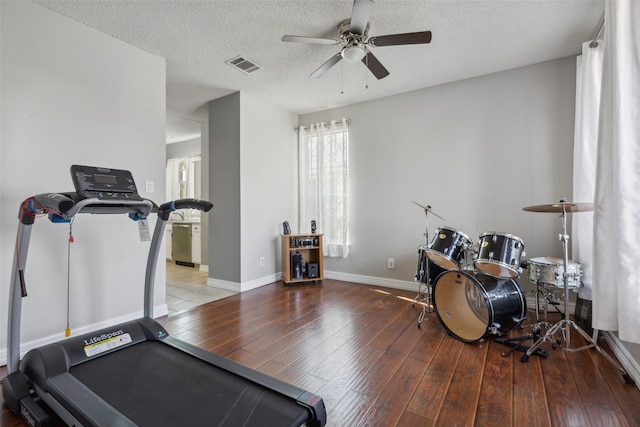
(324,183)
(183,178)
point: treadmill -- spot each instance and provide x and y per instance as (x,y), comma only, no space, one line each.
(134,373)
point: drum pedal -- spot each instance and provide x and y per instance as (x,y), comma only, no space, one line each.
(517,344)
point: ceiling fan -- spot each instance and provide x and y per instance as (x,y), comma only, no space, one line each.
(356,43)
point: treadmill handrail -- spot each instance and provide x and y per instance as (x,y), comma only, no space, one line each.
(67,205)
(142,207)
(164,210)
(57,204)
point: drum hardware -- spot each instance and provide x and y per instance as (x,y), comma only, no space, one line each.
(423,274)
(469,251)
(565,325)
(550,298)
(517,342)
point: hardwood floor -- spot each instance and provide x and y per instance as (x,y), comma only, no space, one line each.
(359,348)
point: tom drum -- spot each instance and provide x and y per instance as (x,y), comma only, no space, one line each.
(427,270)
(447,248)
(499,255)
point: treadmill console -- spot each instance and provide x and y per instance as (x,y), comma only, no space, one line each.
(104,183)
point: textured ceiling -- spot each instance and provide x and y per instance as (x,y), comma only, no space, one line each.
(470,38)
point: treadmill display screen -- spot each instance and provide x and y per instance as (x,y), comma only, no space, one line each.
(106,179)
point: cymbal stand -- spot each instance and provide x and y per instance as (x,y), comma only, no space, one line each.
(566,323)
(424,298)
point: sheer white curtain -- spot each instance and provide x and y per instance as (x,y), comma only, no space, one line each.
(191,176)
(616,293)
(173,179)
(588,79)
(324,185)
(181,177)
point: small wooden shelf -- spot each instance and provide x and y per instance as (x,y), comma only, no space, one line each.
(307,246)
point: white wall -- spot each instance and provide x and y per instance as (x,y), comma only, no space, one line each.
(477,151)
(71,94)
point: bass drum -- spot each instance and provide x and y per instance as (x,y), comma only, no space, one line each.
(470,307)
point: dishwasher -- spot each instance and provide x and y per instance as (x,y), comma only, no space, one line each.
(181,244)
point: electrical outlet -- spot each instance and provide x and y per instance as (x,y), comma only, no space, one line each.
(149,186)
(391,263)
(262,261)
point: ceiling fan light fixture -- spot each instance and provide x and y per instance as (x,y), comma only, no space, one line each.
(354,53)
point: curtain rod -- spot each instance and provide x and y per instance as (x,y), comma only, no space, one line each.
(594,39)
(339,123)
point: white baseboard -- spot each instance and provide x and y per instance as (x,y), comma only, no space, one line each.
(158,311)
(244,286)
(374,281)
(624,357)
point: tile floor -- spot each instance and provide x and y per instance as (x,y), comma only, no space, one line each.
(187,288)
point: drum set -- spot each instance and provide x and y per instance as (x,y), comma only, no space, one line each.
(471,287)
(474,292)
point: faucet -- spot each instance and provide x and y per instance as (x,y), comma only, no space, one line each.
(179,213)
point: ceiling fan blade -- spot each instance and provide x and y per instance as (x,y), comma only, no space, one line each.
(400,39)
(360,16)
(309,40)
(326,66)
(375,66)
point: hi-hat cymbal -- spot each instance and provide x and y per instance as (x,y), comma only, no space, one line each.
(561,207)
(428,209)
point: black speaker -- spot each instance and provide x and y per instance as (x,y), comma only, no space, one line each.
(313,270)
(297,262)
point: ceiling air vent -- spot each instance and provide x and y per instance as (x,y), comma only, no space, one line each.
(244,65)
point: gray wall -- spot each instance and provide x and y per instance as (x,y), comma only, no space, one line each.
(71,94)
(477,151)
(253,186)
(188,148)
(224,188)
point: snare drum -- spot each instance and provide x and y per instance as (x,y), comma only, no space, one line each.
(499,255)
(447,247)
(546,271)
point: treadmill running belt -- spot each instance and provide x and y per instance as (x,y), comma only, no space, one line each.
(156,385)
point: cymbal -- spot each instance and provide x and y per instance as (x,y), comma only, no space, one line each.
(561,207)
(428,209)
